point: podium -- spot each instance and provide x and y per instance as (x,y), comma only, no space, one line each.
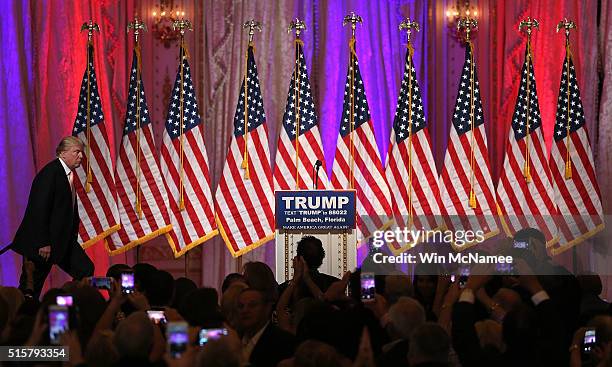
(329,215)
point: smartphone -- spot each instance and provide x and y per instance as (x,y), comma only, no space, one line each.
(127,282)
(63,300)
(178,337)
(590,339)
(368,287)
(210,334)
(101,282)
(521,244)
(452,278)
(59,322)
(157,316)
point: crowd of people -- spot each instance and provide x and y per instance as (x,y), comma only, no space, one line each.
(424,320)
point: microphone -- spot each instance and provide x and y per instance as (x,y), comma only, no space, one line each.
(315,173)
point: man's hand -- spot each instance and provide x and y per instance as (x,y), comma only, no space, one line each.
(45,252)
(336,290)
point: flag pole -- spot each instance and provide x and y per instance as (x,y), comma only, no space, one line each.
(528,24)
(90,27)
(137,26)
(298,26)
(408,25)
(182,25)
(251,25)
(567,25)
(469,23)
(353,19)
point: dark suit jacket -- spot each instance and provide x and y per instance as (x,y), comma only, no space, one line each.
(50,218)
(273,346)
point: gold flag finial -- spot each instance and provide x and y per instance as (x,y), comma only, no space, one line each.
(182,25)
(137,25)
(90,27)
(468,24)
(298,26)
(566,25)
(353,19)
(408,25)
(252,25)
(528,24)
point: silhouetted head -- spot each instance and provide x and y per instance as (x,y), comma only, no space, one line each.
(311,249)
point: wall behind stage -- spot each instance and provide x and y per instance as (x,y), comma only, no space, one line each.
(43,57)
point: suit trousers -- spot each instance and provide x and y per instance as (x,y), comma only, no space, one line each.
(75,263)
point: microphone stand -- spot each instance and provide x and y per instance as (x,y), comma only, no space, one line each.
(315,178)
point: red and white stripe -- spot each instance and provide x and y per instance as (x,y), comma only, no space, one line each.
(98,212)
(525,204)
(194,224)
(154,219)
(455,185)
(421,193)
(578,198)
(374,209)
(245,206)
(285,171)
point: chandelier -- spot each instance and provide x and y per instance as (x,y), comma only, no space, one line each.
(462,9)
(164,15)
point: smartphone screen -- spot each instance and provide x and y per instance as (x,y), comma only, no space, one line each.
(58,322)
(127,282)
(157,316)
(63,300)
(210,334)
(521,244)
(101,282)
(368,287)
(590,339)
(178,337)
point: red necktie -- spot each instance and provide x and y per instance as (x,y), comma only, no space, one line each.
(71,182)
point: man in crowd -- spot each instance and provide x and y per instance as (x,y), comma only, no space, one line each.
(48,232)
(263,343)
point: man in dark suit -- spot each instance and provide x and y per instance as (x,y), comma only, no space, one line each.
(313,283)
(263,343)
(48,232)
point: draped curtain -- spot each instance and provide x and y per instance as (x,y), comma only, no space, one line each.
(44,54)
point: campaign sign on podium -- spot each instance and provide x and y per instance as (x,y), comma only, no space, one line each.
(326,214)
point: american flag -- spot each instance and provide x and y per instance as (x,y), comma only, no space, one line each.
(245,196)
(411,168)
(576,190)
(524,193)
(184,166)
(357,162)
(141,194)
(97,206)
(296,158)
(466,187)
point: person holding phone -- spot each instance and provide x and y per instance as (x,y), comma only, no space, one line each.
(48,232)
(592,345)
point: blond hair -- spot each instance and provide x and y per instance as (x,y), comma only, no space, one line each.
(67,142)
